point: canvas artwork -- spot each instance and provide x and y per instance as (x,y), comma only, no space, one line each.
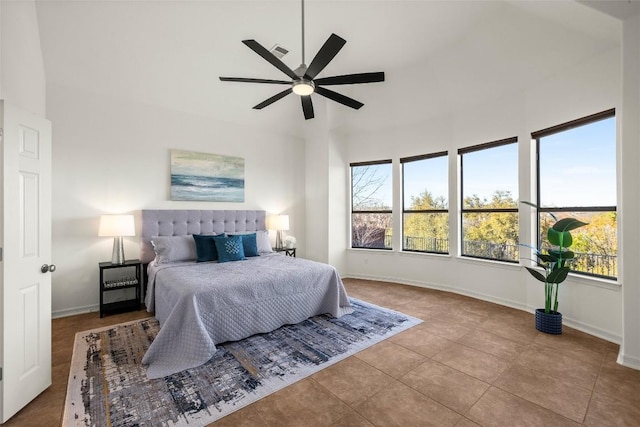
(206,177)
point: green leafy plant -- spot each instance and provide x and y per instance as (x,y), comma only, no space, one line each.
(554,261)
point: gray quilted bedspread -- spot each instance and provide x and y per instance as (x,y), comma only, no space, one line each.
(200,305)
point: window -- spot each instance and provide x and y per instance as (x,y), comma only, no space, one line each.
(577,177)
(425,204)
(489,195)
(371,201)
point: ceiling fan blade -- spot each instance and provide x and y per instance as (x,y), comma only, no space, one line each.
(344,100)
(260,50)
(273,99)
(327,52)
(350,79)
(307,107)
(244,80)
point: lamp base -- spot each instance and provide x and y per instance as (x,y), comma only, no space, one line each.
(279,244)
(117,257)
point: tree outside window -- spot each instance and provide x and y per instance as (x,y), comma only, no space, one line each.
(489,200)
(425,203)
(582,156)
(371,202)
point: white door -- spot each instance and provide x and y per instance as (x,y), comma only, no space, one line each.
(25,233)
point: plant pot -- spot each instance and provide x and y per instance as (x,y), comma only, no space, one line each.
(548,323)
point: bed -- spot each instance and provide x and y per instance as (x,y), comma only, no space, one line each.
(201,304)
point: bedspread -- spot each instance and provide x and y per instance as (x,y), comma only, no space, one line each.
(200,305)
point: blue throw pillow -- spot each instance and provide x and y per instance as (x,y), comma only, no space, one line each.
(206,247)
(249,244)
(230,248)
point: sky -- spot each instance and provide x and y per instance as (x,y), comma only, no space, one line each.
(429,174)
(578,169)
(579,166)
(486,171)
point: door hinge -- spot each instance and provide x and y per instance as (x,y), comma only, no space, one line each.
(1,254)
(0,374)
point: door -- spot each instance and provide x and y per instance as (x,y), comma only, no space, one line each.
(25,236)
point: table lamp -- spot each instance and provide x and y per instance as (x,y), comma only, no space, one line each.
(279,223)
(117,226)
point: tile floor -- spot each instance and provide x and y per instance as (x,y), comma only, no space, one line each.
(470,363)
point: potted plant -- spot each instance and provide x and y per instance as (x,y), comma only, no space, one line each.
(555,268)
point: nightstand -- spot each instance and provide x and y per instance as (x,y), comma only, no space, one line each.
(287,251)
(120,277)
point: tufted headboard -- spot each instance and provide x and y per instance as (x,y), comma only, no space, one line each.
(166,222)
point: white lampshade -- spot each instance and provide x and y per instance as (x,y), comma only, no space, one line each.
(278,222)
(116,225)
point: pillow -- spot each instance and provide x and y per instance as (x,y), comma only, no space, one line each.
(249,243)
(229,248)
(173,248)
(205,247)
(264,243)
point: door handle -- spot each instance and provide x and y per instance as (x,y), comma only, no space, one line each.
(48,268)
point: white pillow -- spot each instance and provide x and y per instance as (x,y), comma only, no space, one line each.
(174,248)
(264,243)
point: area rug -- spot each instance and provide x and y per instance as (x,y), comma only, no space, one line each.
(108,385)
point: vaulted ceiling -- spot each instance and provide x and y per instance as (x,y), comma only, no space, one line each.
(438,56)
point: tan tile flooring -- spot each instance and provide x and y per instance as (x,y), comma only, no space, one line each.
(470,363)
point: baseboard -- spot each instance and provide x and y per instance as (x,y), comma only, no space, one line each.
(629,361)
(440,287)
(583,327)
(73,311)
(592,330)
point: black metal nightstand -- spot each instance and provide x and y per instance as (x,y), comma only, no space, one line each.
(114,277)
(287,251)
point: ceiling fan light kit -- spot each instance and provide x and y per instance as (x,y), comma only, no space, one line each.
(303,79)
(303,87)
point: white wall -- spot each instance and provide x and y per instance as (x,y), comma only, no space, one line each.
(22,78)
(593,86)
(317,185)
(112,156)
(630,268)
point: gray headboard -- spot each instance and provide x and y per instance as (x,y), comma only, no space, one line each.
(166,222)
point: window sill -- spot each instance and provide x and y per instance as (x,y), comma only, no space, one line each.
(597,282)
(417,254)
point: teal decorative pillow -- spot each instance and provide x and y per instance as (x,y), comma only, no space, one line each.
(230,248)
(206,247)
(249,243)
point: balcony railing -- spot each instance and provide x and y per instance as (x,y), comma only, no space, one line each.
(588,263)
(491,250)
(426,244)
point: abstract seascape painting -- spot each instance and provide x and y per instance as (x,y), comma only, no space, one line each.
(206,177)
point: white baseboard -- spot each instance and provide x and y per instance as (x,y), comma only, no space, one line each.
(592,330)
(73,311)
(439,287)
(589,329)
(629,361)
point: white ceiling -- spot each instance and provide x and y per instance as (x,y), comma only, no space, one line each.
(437,55)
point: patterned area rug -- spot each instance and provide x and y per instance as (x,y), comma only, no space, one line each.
(108,385)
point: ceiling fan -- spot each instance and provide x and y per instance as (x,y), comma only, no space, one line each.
(303,79)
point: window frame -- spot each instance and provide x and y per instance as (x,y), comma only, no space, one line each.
(463,210)
(390,211)
(563,127)
(410,159)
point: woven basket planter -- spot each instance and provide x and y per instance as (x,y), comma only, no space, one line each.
(548,323)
